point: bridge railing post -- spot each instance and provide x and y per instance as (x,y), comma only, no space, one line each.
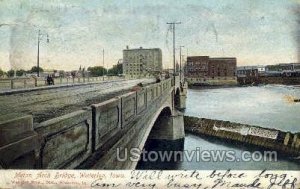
(128,106)
(105,126)
(19,144)
(12,84)
(35,81)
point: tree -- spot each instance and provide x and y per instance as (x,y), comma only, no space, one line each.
(2,73)
(10,73)
(34,69)
(20,72)
(62,73)
(116,69)
(97,71)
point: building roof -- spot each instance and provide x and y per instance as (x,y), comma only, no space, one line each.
(221,58)
(246,68)
(197,56)
(141,48)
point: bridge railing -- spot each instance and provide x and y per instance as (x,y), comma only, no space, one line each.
(69,140)
(30,82)
(66,140)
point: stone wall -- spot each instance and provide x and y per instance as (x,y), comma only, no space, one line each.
(281,141)
(280,80)
(217,81)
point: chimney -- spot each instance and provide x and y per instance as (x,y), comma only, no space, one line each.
(127,47)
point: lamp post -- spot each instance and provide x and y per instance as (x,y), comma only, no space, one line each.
(173,29)
(40,35)
(103,62)
(180,63)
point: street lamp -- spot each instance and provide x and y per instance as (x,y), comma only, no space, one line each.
(173,28)
(180,63)
(40,35)
(103,62)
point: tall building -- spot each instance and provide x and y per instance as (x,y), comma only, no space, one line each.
(140,63)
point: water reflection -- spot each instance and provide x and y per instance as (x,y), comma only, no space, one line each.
(194,143)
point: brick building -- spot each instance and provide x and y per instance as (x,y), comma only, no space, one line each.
(206,70)
(197,66)
(140,63)
(206,67)
(222,67)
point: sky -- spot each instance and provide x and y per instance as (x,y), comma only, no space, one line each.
(256,32)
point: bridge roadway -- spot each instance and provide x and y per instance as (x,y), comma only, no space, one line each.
(53,102)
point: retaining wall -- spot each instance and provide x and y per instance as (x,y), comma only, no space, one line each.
(281,141)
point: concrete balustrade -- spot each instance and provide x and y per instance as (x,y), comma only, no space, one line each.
(158,89)
(18,83)
(155,86)
(141,100)
(18,143)
(150,94)
(128,106)
(106,121)
(66,140)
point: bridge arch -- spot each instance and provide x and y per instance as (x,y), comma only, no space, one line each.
(165,133)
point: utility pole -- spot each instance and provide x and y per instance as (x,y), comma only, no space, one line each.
(38,55)
(40,35)
(103,63)
(180,63)
(173,28)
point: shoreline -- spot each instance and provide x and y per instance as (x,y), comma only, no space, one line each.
(267,138)
(234,86)
(240,145)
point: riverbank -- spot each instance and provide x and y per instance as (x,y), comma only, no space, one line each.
(285,142)
(212,86)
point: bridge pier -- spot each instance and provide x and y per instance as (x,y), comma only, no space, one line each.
(168,133)
(183,96)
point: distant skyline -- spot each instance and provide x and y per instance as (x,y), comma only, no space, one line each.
(256,32)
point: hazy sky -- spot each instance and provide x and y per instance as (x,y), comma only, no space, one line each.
(254,31)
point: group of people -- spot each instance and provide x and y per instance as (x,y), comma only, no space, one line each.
(50,80)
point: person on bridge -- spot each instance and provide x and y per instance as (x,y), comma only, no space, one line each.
(138,87)
(50,80)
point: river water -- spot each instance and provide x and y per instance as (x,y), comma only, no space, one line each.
(267,106)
